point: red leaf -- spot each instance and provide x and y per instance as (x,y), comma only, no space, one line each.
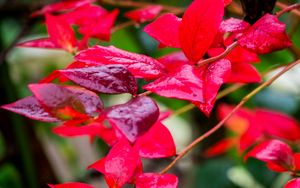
(135,117)
(84,15)
(40,43)
(70,185)
(214,75)
(174,60)
(156,143)
(233,25)
(184,84)
(197,85)
(282,126)
(151,180)
(60,32)
(139,65)
(145,14)
(227,2)
(294,183)
(199,26)
(107,134)
(100,27)
(266,35)
(165,29)
(119,165)
(60,100)
(112,79)
(243,73)
(61,6)
(30,108)
(275,152)
(220,147)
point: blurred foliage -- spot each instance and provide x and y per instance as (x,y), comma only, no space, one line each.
(27,66)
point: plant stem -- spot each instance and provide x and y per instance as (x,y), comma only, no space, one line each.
(221,123)
(288,9)
(218,57)
(135,4)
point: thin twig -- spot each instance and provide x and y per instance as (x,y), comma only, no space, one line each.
(285,8)
(221,123)
(218,57)
(288,9)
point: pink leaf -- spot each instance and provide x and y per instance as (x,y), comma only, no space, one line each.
(165,29)
(233,25)
(275,152)
(282,126)
(119,165)
(294,183)
(61,6)
(139,65)
(60,32)
(30,108)
(67,102)
(112,79)
(70,185)
(135,117)
(156,143)
(145,14)
(199,26)
(151,180)
(100,27)
(265,36)
(40,43)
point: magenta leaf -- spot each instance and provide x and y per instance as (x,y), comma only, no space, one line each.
(65,102)
(139,65)
(145,14)
(233,25)
(70,185)
(199,26)
(112,79)
(135,117)
(30,108)
(40,43)
(152,180)
(165,29)
(156,143)
(274,152)
(61,33)
(265,36)
(294,183)
(120,164)
(61,6)
(100,27)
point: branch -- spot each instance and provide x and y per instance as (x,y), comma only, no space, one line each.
(135,4)
(221,123)
(286,8)
(218,57)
